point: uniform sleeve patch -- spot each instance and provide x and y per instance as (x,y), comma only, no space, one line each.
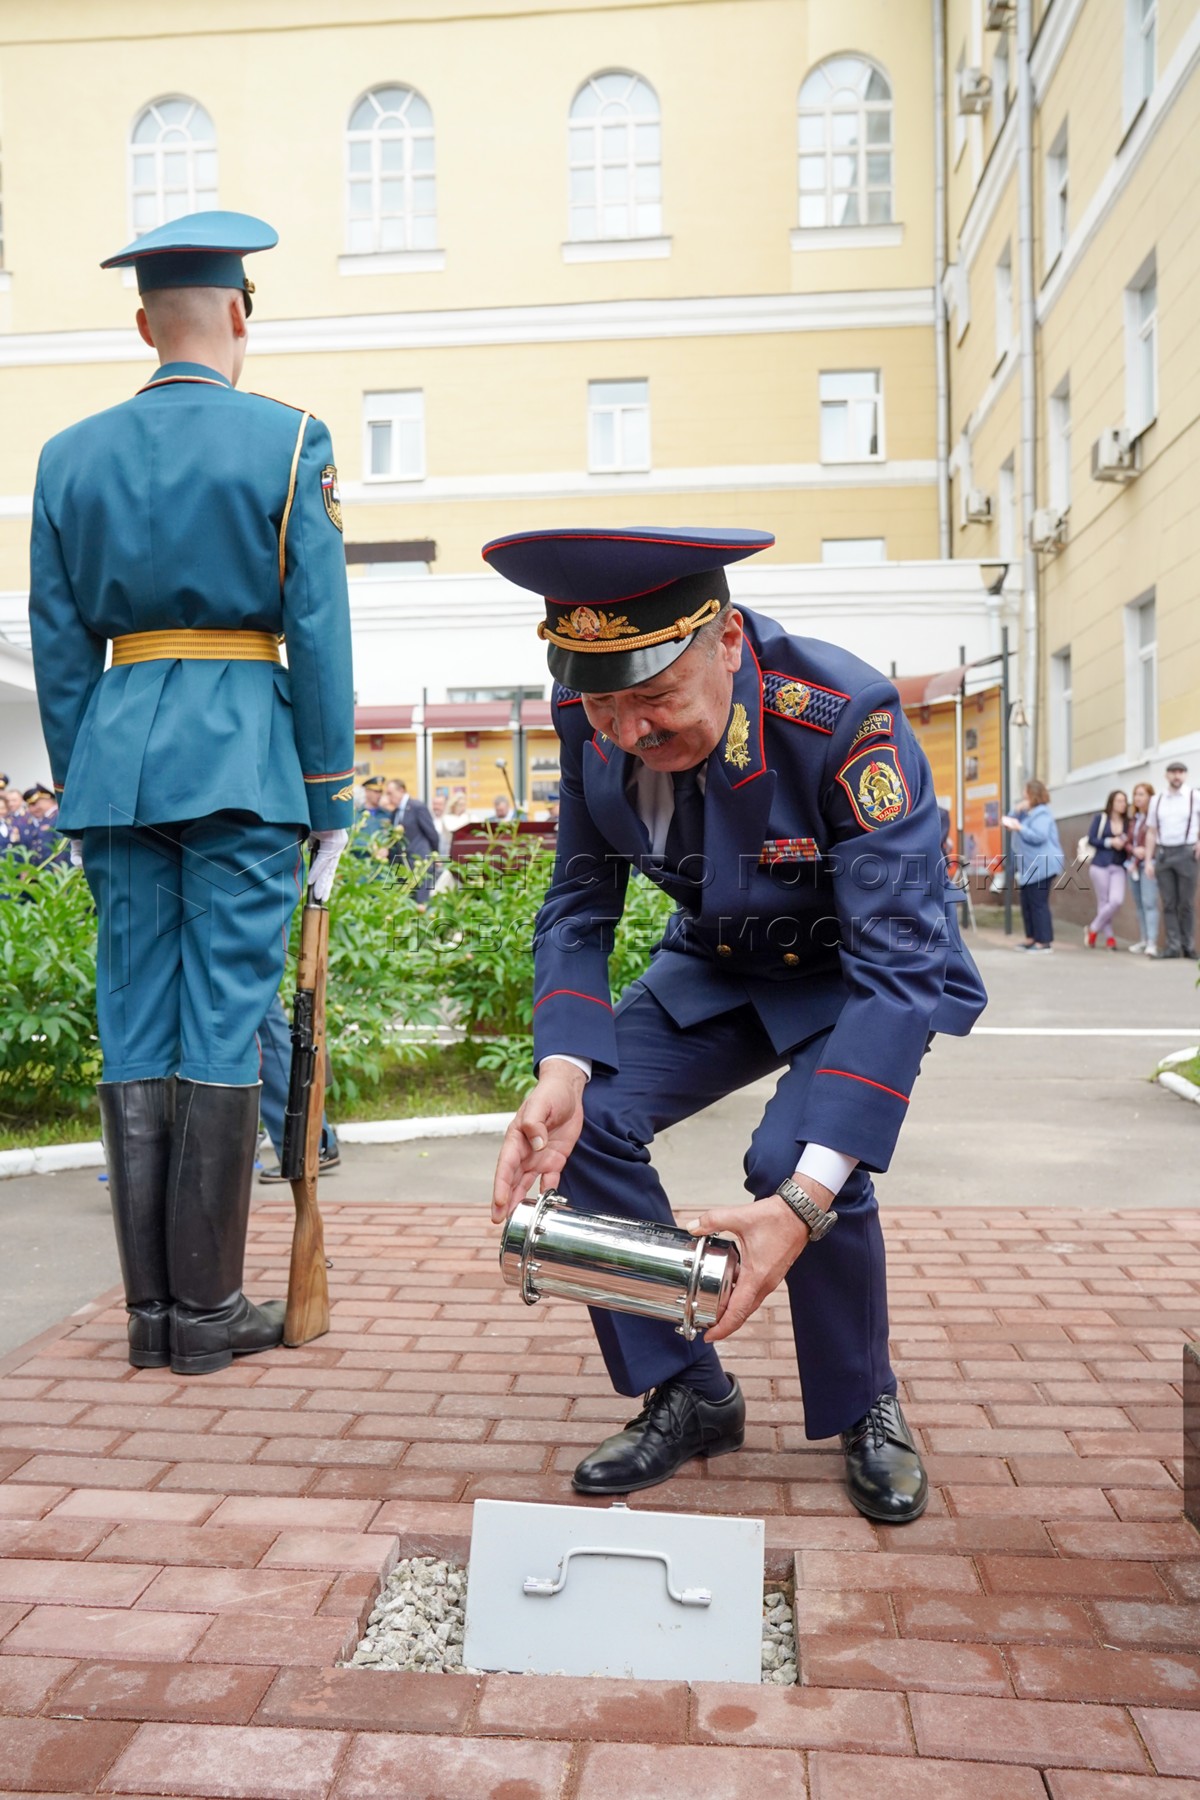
(875,786)
(802,701)
(330,494)
(876,724)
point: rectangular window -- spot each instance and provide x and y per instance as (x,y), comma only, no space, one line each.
(1056,198)
(1141,698)
(1141,55)
(1060,713)
(394,436)
(618,426)
(1004,303)
(1059,445)
(1141,348)
(851,416)
(1007,509)
(844,552)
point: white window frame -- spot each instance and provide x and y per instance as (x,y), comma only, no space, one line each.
(1057,197)
(1062,708)
(1001,68)
(1008,536)
(1003,288)
(192,136)
(614,100)
(394,408)
(848,553)
(1139,69)
(825,112)
(960,117)
(1141,348)
(412,226)
(1141,675)
(852,403)
(1058,446)
(621,413)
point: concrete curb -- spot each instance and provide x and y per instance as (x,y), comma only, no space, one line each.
(50,1159)
(1178,1084)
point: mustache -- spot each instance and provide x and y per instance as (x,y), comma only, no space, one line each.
(654,740)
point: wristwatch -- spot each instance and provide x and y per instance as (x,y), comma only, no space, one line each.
(819,1223)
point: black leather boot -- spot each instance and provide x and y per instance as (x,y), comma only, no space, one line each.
(208,1210)
(135,1119)
(675,1424)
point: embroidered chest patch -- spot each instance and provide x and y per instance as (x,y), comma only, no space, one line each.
(790,698)
(875,786)
(330,494)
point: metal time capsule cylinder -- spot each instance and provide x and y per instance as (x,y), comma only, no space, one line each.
(625,1265)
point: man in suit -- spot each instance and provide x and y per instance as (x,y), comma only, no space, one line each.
(418,840)
(772,787)
(193,528)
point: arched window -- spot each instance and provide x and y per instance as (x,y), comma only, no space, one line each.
(615,158)
(391,197)
(845,144)
(172,163)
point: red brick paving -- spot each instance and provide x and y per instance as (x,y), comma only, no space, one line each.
(183,1564)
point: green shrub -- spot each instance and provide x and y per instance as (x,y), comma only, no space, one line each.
(49,1051)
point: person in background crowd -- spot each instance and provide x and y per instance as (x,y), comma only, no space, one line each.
(5,824)
(501,810)
(417,838)
(437,812)
(37,831)
(376,820)
(1037,863)
(1172,851)
(1144,887)
(1109,837)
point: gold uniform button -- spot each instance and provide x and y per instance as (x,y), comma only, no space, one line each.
(724,949)
(791,960)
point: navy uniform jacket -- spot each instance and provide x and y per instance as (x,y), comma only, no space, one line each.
(191,505)
(822,900)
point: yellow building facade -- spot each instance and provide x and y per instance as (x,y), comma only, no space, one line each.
(672,262)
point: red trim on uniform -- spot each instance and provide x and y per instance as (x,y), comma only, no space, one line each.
(599,751)
(577,701)
(340,776)
(876,750)
(574,994)
(805,682)
(762,757)
(866,1081)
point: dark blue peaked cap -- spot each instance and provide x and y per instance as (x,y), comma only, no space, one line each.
(202,249)
(622,604)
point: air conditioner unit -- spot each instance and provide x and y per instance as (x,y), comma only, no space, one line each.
(978,507)
(1114,456)
(999,14)
(974,91)
(1047,529)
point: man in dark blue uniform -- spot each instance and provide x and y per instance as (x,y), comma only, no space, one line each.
(192,528)
(37,831)
(772,787)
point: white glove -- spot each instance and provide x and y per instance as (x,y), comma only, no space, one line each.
(330,845)
(77,853)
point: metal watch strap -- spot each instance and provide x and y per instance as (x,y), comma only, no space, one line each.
(805,1208)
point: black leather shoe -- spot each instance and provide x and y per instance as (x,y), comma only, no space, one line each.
(675,1424)
(328,1160)
(884,1474)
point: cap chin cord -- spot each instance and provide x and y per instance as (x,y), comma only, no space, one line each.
(605,646)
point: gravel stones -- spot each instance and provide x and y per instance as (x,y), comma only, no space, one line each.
(419,1619)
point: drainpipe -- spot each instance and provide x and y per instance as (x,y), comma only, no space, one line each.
(941,333)
(1029,658)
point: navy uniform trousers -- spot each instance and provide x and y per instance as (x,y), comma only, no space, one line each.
(837,1288)
(192,926)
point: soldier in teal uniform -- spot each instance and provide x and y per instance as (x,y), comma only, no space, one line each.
(193,529)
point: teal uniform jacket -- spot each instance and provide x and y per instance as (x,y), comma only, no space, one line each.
(193,506)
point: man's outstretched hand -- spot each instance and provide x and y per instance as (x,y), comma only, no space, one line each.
(540,1138)
(770,1238)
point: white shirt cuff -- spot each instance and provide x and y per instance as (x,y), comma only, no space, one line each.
(577,1062)
(830,1167)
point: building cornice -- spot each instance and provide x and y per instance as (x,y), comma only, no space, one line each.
(602,321)
(571,484)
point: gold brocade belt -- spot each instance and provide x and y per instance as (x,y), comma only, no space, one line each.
(196,646)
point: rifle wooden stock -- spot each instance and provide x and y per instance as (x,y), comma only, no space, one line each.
(308,1289)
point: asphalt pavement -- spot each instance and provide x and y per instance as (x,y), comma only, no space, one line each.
(1049,1102)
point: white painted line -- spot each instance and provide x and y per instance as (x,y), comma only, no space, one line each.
(1072,1031)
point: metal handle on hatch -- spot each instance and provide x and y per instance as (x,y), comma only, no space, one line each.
(547,1585)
